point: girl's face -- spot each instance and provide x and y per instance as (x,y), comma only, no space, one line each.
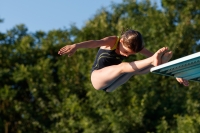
(125,51)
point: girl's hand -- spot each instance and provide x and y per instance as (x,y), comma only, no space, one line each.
(68,49)
(183,81)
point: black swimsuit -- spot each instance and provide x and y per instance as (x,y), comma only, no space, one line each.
(106,58)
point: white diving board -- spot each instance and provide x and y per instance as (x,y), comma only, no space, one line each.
(187,67)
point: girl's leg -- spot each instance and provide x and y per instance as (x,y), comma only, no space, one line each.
(124,78)
(106,76)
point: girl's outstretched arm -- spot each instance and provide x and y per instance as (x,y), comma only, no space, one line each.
(71,49)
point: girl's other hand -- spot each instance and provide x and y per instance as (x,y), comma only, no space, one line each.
(183,81)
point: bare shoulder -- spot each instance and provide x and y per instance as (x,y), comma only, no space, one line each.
(109,41)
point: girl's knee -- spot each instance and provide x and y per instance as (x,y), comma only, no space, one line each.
(95,85)
(97,88)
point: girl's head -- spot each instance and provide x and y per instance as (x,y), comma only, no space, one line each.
(133,40)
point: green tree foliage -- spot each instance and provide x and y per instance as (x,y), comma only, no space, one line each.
(41,91)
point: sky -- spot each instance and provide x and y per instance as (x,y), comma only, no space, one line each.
(47,15)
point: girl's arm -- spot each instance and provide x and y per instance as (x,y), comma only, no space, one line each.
(107,41)
(146,52)
(71,49)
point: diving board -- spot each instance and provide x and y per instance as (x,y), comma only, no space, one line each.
(187,67)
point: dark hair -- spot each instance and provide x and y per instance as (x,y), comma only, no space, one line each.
(133,40)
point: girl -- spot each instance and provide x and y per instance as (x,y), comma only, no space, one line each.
(108,71)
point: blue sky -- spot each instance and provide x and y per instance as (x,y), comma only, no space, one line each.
(47,15)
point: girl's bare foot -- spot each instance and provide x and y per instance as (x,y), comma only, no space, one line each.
(166,57)
(157,57)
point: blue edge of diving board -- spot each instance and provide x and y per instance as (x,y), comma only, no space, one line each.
(187,67)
